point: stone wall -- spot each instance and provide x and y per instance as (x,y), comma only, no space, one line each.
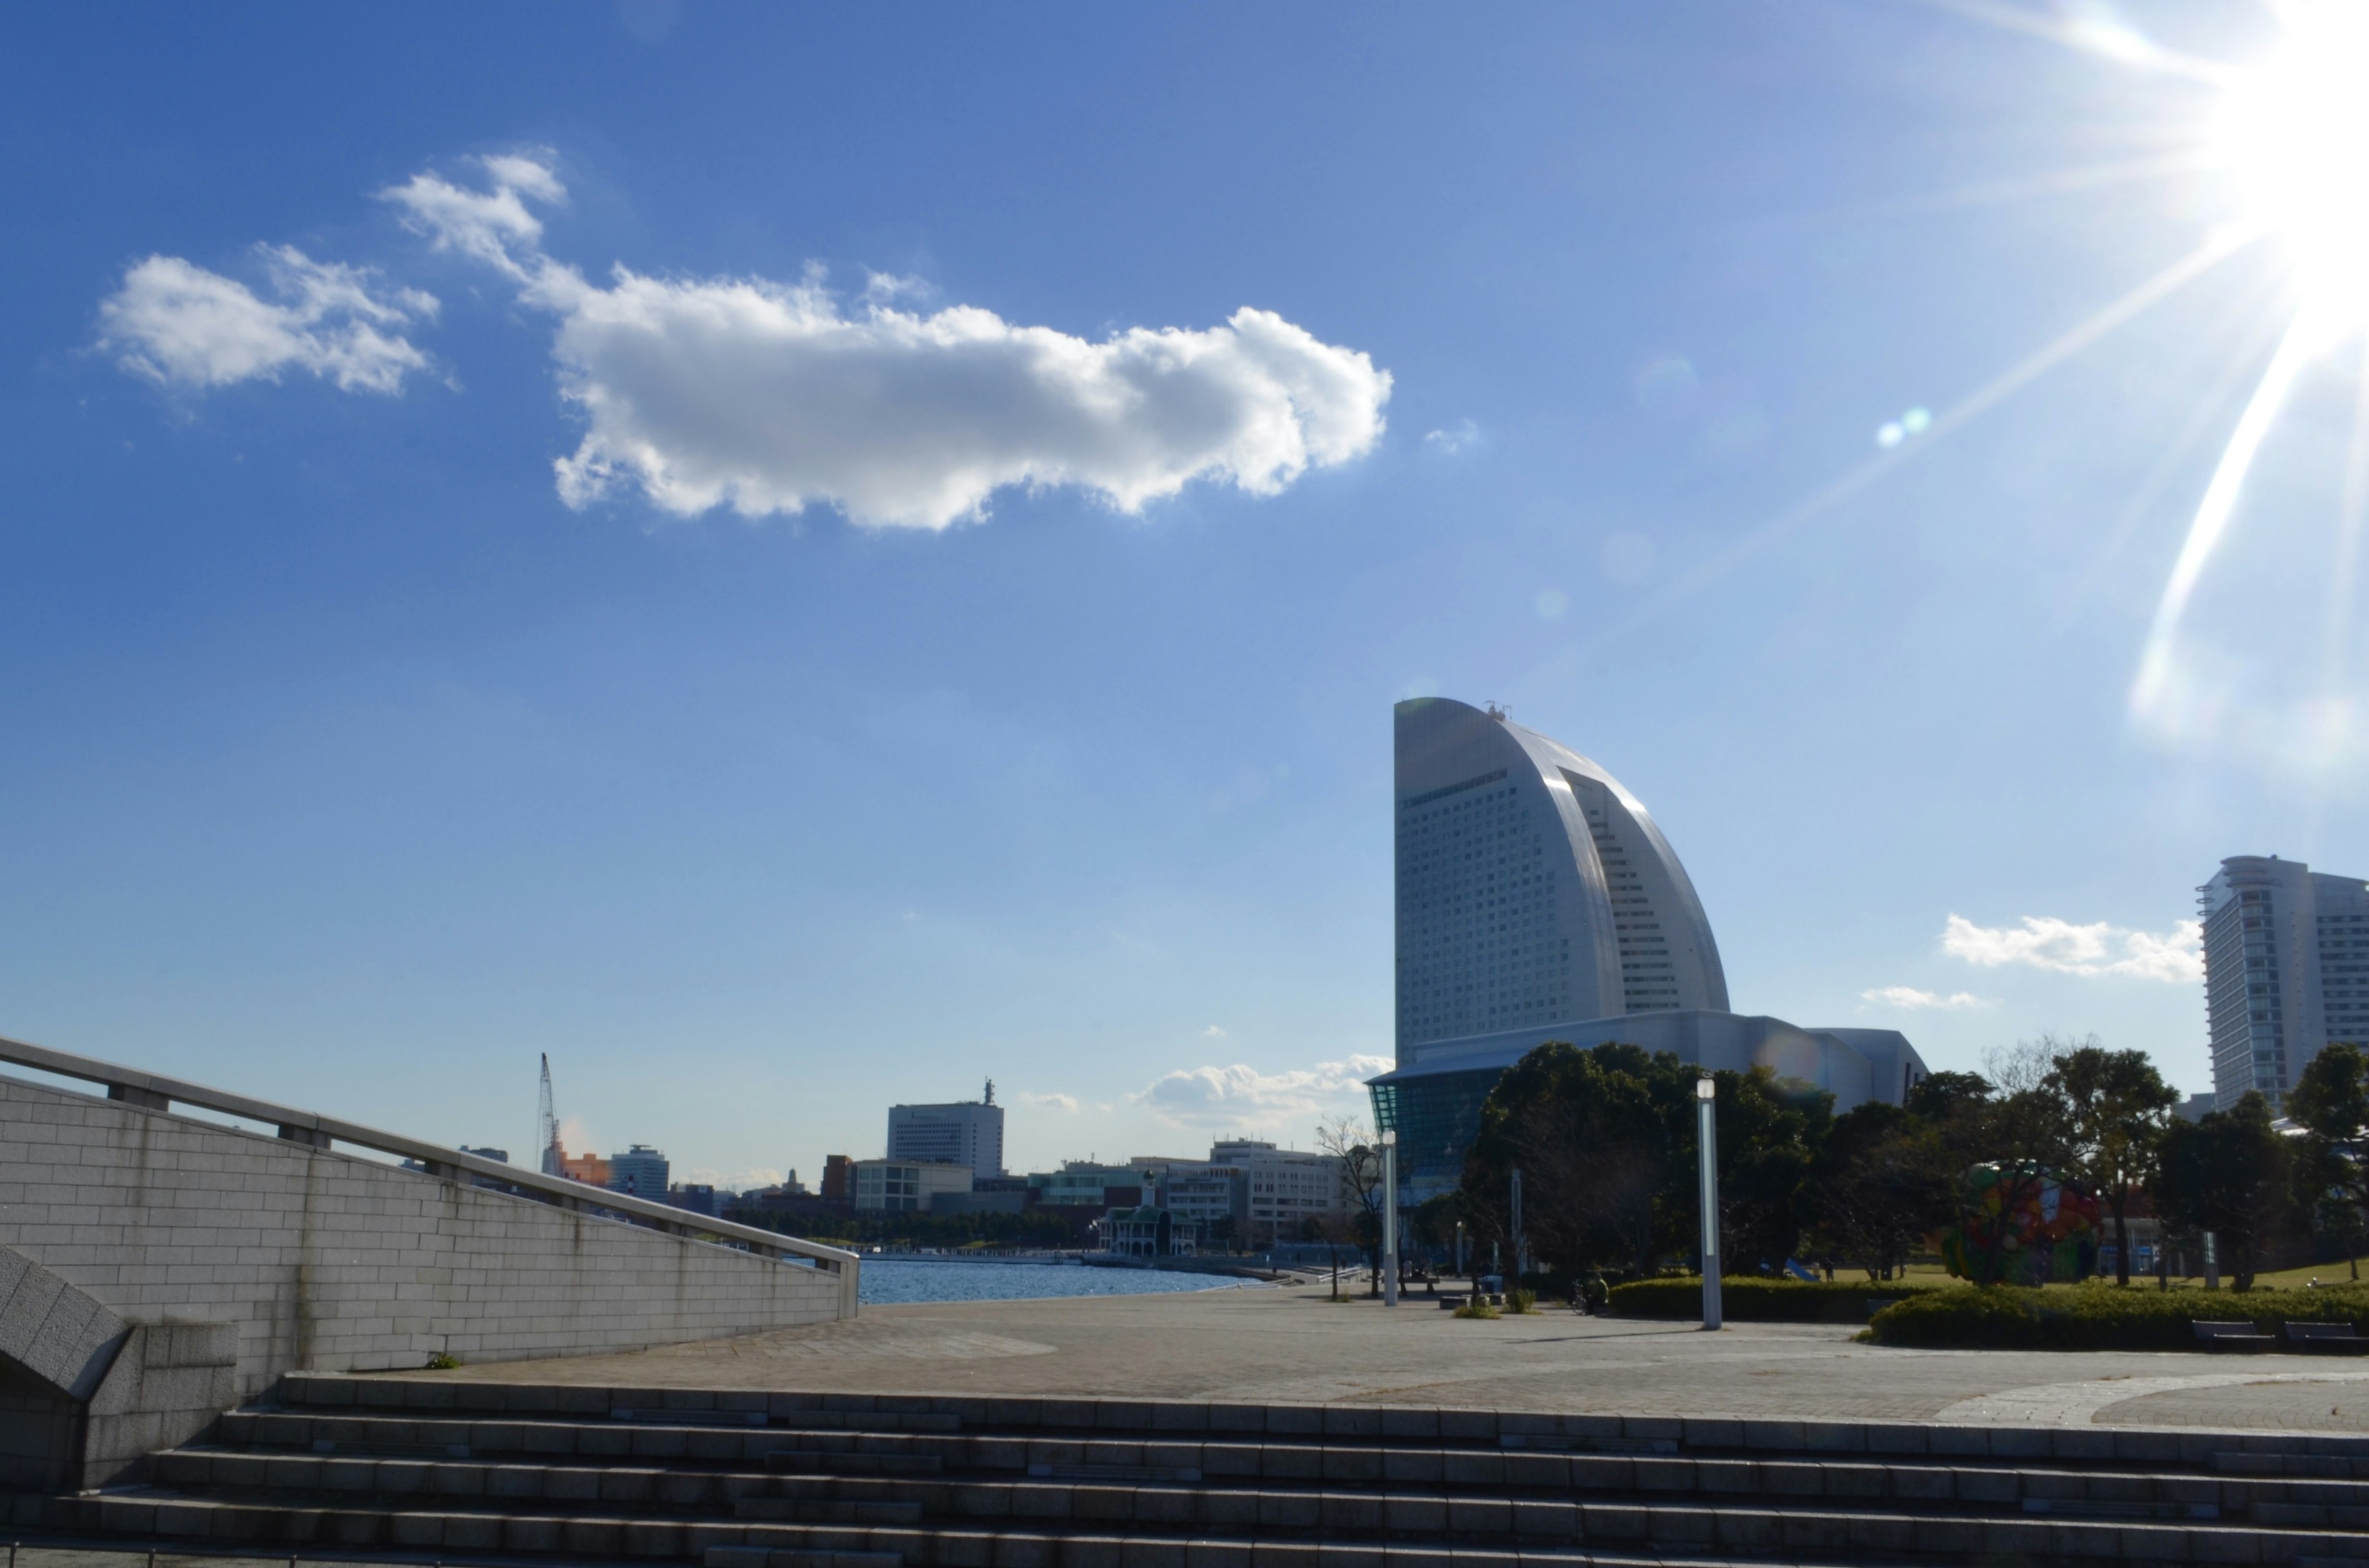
(328,1262)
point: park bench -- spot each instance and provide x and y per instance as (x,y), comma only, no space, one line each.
(2231,1336)
(2338,1339)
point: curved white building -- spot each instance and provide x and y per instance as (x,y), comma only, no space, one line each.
(1538,901)
(1531,887)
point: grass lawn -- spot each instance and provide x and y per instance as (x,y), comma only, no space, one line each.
(2285,1279)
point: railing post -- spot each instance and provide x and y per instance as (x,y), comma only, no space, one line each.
(146,1099)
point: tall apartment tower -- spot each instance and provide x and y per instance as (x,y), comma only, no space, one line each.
(2286,970)
(641,1170)
(969,1132)
(1531,887)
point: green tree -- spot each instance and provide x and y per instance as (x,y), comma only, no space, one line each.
(1938,1095)
(1597,1135)
(2227,1173)
(2331,1101)
(2118,1110)
(1880,1187)
(1605,1139)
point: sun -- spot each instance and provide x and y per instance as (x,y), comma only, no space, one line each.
(2295,131)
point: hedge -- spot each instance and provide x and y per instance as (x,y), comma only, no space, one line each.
(1751,1299)
(2099,1316)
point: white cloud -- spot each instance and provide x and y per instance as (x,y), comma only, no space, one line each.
(1068,1103)
(728,1181)
(178,324)
(768,396)
(1214,1032)
(2047,942)
(1458,438)
(1911,999)
(1240,1095)
(489,225)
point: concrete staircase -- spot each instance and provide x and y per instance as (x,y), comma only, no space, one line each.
(340,1466)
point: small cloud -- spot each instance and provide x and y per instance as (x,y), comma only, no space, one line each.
(2044,942)
(1213,1033)
(1068,1103)
(1240,1095)
(1912,1000)
(1551,603)
(176,324)
(1419,686)
(888,288)
(728,1181)
(1461,437)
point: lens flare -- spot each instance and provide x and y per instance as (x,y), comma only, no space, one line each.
(2296,131)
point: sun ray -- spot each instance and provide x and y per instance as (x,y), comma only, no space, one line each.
(2090,35)
(2296,348)
(2065,345)
(2069,181)
(2344,571)
(2246,348)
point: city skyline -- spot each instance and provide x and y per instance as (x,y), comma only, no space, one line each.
(431,646)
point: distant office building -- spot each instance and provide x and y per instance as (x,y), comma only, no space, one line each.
(499,1155)
(837,1183)
(906,1185)
(1287,1188)
(1217,1198)
(792,1187)
(640,1171)
(2286,970)
(1538,901)
(1081,1183)
(589,1168)
(693,1197)
(969,1132)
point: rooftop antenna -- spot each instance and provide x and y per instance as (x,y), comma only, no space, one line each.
(546,1130)
(990,1093)
(1496,711)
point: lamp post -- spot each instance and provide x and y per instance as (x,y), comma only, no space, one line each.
(1521,1254)
(1390,1218)
(1707,1141)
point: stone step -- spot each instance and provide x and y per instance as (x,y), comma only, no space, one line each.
(2329,1465)
(458,1437)
(400,1440)
(768,1557)
(1749,1530)
(1166,1420)
(2127,1494)
(804,1511)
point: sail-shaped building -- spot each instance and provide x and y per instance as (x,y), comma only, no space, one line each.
(1537,901)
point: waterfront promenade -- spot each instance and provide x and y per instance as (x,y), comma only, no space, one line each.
(1292,1345)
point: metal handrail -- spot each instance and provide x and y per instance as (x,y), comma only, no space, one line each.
(153,1092)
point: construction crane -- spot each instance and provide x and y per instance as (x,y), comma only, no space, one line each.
(546,1131)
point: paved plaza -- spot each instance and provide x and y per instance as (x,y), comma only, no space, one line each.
(1292,1345)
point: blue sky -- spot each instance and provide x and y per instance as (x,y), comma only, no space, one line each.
(531,606)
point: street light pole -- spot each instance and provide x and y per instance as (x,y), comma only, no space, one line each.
(1706,1140)
(1390,1218)
(1520,1252)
